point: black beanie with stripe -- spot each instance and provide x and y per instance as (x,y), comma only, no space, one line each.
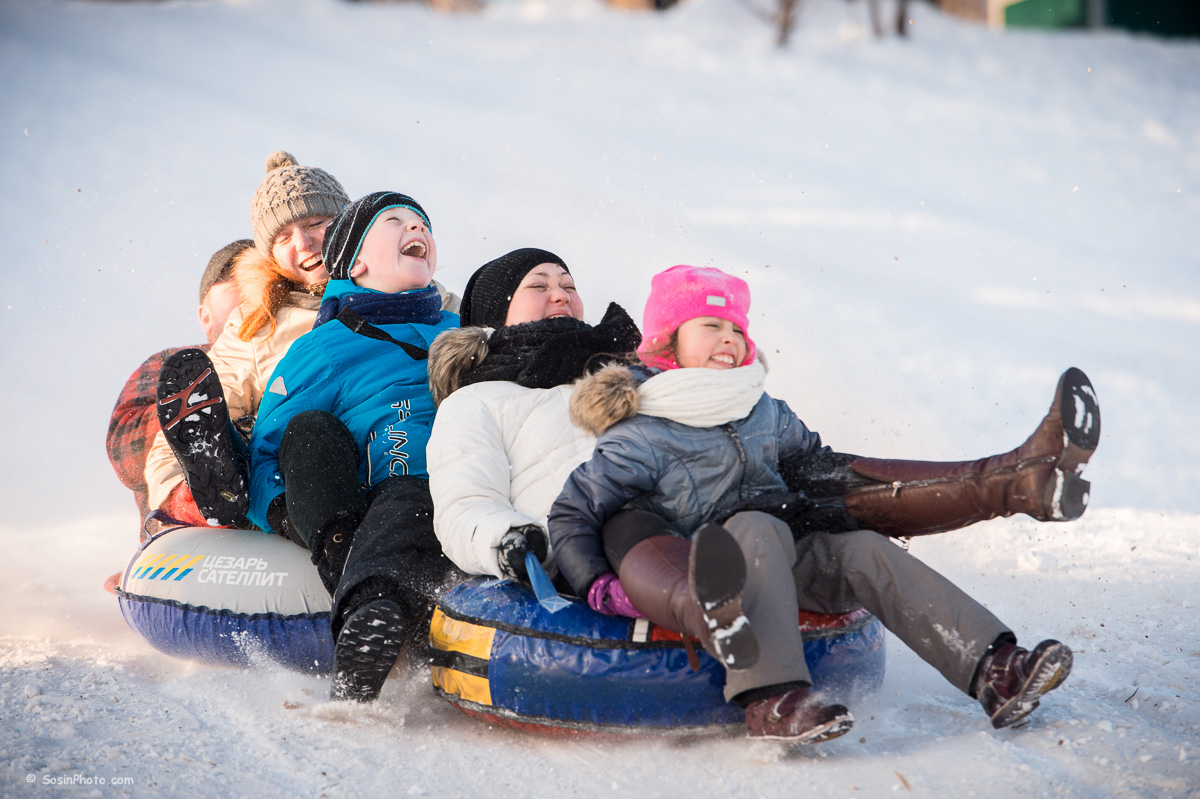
(344,236)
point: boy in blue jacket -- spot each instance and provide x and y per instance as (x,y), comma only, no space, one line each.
(337,458)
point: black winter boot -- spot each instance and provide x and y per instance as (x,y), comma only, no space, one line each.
(195,422)
(367,646)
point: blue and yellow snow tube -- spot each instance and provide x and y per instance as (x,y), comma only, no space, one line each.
(235,597)
(499,655)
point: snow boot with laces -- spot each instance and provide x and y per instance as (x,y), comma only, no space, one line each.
(796,717)
(1010,680)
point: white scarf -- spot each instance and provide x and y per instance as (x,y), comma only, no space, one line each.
(701,397)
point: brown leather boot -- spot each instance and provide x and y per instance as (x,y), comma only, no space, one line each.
(796,717)
(655,576)
(1039,478)
(1011,680)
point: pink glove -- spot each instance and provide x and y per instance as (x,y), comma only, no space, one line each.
(608,597)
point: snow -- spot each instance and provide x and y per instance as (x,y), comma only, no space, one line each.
(933,228)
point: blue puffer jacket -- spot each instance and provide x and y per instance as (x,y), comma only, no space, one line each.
(688,475)
(380,391)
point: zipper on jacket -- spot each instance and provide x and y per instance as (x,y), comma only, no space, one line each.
(895,486)
(731,431)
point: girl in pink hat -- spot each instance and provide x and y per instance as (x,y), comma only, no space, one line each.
(698,511)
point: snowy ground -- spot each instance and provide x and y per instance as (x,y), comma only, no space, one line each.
(933,229)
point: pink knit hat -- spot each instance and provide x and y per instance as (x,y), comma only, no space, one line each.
(685,292)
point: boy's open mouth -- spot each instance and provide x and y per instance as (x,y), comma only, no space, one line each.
(414,249)
(312,264)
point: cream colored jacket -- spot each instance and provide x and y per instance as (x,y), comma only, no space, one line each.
(244,367)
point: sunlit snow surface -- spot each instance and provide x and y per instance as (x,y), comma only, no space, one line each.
(933,230)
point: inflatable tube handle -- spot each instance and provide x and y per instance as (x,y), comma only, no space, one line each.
(543,589)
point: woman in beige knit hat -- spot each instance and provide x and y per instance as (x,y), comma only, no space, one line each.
(280,281)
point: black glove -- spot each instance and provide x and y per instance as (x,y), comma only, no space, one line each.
(804,515)
(513,546)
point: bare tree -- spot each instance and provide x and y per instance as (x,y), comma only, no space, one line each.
(877,18)
(786,14)
(784,17)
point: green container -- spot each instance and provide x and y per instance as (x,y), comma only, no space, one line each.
(1046,14)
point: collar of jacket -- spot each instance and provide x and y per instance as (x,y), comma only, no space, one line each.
(421,306)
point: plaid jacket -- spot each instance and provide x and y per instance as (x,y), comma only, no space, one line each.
(133,425)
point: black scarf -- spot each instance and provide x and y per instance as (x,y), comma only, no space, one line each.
(554,352)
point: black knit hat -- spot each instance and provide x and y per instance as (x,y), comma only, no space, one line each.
(220,266)
(490,290)
(344,236)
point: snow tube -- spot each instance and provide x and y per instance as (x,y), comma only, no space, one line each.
(233,597)
(501,656)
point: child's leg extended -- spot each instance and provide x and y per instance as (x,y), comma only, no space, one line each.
(386,593)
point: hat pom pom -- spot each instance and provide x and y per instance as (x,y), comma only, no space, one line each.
(279,159)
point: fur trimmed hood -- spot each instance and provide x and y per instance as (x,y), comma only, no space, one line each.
(694,397)
(452,355)
(602,399)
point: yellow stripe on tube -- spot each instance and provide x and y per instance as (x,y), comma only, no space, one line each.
(451,635)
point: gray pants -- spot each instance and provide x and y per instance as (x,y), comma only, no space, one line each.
(837,573)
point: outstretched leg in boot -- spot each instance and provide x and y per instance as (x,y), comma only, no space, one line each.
(392,577)
(1040,478)
(942,624)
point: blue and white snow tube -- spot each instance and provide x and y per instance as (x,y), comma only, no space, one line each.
(501,656)
(235,597)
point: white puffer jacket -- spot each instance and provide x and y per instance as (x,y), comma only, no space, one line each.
(498,457)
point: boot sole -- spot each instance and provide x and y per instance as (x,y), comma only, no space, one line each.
(1053,662)
(195,422)
(717,573)
(1067,496)
(1079,414)
(367,647)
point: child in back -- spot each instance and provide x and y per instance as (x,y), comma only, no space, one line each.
(337,457)
(660,522)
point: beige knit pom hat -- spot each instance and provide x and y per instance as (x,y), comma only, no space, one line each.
(290,192)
